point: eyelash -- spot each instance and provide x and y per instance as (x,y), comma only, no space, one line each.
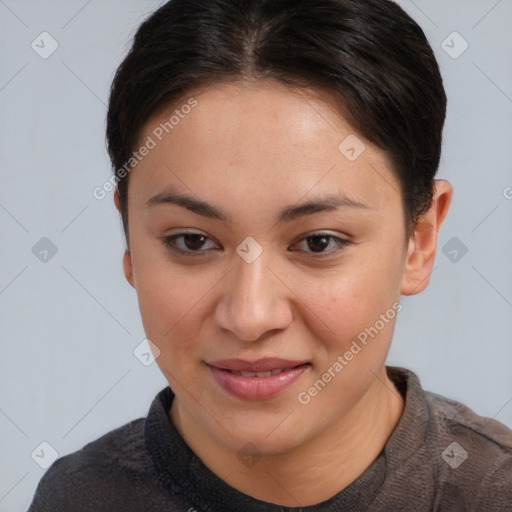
(169,241)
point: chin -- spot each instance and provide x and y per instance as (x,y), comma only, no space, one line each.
(264,438)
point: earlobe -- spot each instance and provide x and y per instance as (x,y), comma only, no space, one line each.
(128,267)
(423,244)
(117,200)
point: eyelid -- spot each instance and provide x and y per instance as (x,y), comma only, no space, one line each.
(186,231)
(320,232)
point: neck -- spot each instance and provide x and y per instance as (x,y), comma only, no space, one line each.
(328,463)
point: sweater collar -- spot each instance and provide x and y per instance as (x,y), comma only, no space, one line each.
(183,473)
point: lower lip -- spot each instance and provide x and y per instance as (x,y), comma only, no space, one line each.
(256,388)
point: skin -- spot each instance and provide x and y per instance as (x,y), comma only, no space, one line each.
(252,149)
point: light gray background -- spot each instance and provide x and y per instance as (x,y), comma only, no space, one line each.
(69,326)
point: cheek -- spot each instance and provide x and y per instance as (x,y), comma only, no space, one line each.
(353,319)
(172,302)
(344,303)
(167,312)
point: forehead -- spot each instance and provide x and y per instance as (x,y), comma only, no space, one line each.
(243,137)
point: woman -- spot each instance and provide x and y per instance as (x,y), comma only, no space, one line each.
(275,166)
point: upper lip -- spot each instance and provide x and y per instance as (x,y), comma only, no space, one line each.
(261,365)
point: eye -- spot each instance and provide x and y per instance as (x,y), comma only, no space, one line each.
(318,243)
(191,244)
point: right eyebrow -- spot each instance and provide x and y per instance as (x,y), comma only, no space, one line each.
(190,203)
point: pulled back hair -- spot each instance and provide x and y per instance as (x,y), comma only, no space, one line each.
(369,54)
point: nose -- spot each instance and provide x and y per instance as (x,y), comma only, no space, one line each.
(254,301)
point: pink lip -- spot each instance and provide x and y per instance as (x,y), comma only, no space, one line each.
(260,365)
(256,388)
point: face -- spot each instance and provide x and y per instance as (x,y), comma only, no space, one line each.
(258,245)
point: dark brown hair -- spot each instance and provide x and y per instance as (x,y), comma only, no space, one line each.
(369,54)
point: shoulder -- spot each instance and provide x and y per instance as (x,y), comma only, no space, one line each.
(102,471)
(476,452)
(445,455)
(456,417)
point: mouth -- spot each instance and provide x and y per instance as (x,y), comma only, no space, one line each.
(260,366)
(277,371)
(257,380)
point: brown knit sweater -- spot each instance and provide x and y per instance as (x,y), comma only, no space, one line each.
(440,457)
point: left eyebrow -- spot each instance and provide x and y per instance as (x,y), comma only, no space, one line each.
(323,204)
(287,214)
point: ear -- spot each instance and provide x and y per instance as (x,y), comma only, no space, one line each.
(423,243)
(128,267)
(117,200)
(127,258)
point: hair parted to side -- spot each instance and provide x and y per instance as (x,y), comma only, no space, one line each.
(369,54)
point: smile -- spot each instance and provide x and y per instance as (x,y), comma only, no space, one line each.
(259,380)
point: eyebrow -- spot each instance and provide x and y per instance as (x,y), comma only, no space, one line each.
(289,213)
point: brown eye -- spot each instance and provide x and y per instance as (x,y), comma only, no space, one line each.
(323,244)
(194,242)
(318,243)
(188,243)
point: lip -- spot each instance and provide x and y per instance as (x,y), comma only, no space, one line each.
(260,365)
(256,388)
